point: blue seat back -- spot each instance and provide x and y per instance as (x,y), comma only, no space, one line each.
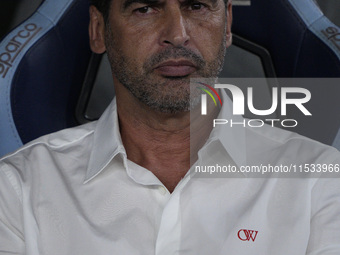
(43,63)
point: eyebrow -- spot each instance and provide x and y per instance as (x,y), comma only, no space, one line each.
(127,3)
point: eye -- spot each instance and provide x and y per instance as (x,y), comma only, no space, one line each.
(196,6)
(144,9)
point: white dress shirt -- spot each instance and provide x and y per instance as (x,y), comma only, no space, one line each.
(75,193)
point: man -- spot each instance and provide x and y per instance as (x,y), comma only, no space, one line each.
(152,74)
(122,185)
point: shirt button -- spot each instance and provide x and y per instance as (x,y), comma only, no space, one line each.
(162,190)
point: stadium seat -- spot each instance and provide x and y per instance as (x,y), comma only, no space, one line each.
(48,73)
(43,63)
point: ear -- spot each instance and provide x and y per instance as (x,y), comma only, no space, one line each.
(97,31)
(229,13)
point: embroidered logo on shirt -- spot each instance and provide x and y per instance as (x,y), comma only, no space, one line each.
(247,234)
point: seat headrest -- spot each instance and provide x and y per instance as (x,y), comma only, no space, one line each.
(300,38)
(53,42)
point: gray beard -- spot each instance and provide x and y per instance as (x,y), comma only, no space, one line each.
(173,94)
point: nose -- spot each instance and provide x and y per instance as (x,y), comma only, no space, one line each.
(175,31)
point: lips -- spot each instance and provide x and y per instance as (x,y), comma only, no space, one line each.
(174,68)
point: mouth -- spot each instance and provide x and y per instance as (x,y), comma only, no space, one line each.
(176,68)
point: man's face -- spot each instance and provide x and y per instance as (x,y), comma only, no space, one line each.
(156,46)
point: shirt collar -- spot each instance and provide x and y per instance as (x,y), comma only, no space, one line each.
(232,138)
(107,142)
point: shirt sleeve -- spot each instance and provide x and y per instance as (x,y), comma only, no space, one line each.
(11,223)
(325,218)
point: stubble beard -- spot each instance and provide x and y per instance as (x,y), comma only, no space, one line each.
(168,95)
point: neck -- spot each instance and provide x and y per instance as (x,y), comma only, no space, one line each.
(160,142)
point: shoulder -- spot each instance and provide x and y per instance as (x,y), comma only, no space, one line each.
(52,151)
(300,156)
(277,138)
(54,142)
